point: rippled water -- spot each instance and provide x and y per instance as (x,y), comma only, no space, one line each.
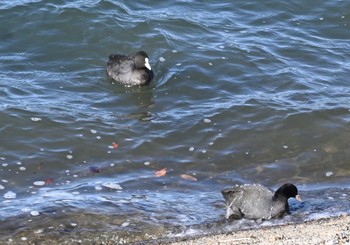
(244,92)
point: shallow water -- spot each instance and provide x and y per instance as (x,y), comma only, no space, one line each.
(244,92)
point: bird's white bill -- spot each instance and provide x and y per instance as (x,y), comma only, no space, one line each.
(147,64)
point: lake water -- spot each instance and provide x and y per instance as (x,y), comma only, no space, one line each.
(244,92)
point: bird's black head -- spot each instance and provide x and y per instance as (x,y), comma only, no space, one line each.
(286,191)
(142,61)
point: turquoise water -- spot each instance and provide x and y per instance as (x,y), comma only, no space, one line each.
(244,92)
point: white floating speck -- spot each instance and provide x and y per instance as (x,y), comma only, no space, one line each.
(74,224)
(329,174)
(22,168)
(5,164)
(206,120)
(93,131)
(76,193)
(112,186)
(2,187)
(321,18)
(98,188)
(98,137)
(204,151)
(161,59)
(34,213)
(285,147)
(39,183)
(36,119)
(178,64)
(19,163)
(191,148)
(69,157)
(174,51)
(211,143)
(210,63)
(4,181)
(24,238)
(221,46)
(146,163)
(10,195)
(112,164)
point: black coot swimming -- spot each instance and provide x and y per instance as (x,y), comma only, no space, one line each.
(258,202)
(130,70)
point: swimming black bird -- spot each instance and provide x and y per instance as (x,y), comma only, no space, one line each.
(130,70)
(258,202)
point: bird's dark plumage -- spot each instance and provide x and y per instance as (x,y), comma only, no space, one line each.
(130,70)
(258,202)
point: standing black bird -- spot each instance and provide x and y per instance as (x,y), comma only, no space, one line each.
(258,202)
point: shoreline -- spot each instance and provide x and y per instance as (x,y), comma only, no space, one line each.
(333,230)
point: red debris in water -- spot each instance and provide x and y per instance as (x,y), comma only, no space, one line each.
(115,145)
(95,169)
(48,181)
(160,173)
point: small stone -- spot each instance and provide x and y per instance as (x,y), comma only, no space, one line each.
(206,120)
(36,119)
(34,213)
(125,224)
(329,174)
(39,231)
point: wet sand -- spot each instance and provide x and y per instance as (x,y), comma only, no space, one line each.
(328,231)
(334,230)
